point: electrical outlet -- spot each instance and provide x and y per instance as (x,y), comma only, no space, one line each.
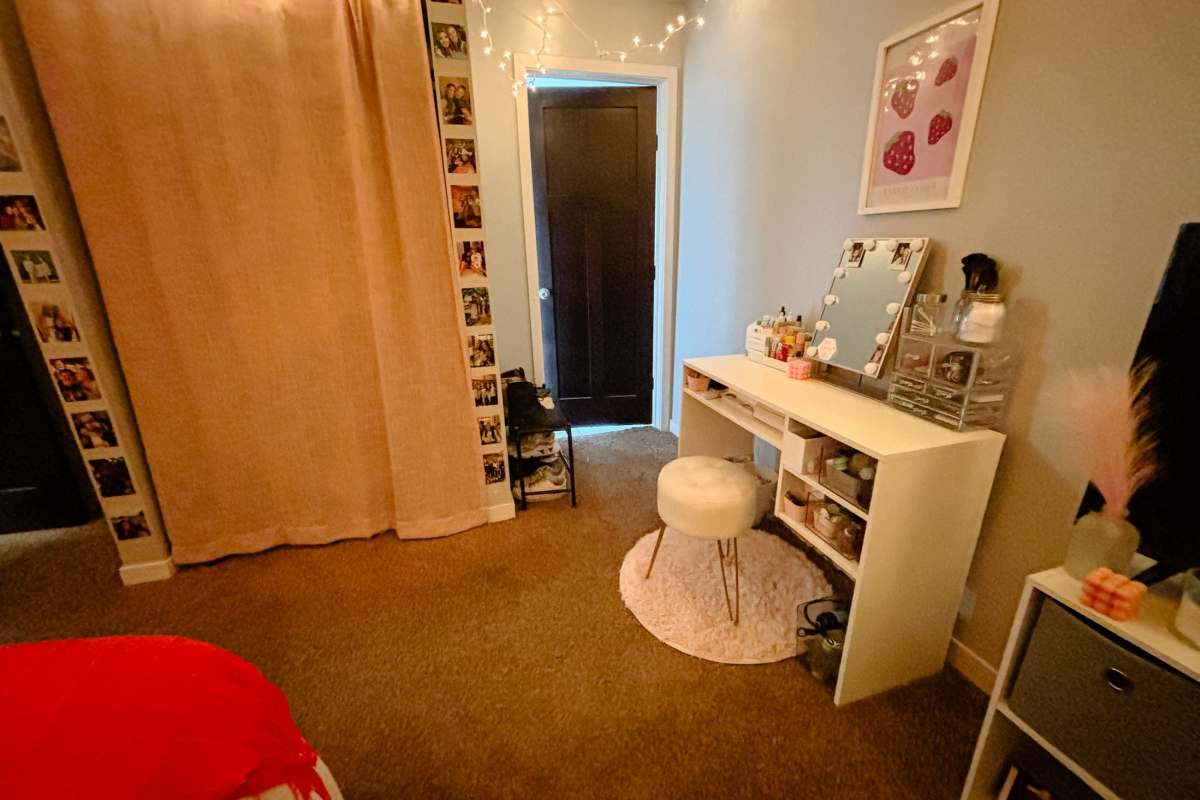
(967,606)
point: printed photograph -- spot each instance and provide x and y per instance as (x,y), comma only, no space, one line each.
(20,212)
(489,430)
(460,156)
(486,393)
(9,160)
(53,322)
(482,350)
(94,429)
(75,379)
(449,41)
(477,310)
(900,257)
(131,527)
(35,266)
(857,251)
(493,467)
(464,202)
(112,476)
(470,259)
(454,93)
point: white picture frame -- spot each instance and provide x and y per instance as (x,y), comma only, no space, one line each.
(902,132)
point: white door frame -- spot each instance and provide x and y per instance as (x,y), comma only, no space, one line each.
(666,80)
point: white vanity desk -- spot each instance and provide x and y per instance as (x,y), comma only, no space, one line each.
(931,491)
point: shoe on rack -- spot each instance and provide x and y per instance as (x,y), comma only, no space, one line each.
(526,410)
(546,478)
(535,445)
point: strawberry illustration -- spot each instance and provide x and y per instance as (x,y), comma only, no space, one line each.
(904,97)
(947,71)
(940,125)
(898,153)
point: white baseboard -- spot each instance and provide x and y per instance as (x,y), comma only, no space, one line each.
(674,426)
(501,512)
(133,574)
(972,666)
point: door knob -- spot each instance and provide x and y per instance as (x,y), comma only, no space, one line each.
(544,293)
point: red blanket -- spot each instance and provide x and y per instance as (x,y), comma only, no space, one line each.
(145,717)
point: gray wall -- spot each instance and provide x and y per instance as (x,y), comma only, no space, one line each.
(1086,160)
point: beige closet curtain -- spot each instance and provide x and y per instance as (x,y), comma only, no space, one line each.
(259,182)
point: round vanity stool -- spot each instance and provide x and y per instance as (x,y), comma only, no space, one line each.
(709,498)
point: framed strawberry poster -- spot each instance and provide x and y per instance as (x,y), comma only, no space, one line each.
(928,82)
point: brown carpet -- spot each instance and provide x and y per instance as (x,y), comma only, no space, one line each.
(502,663)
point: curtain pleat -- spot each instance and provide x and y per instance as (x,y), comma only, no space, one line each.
(260,186)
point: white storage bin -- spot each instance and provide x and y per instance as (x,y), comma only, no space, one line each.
(802,448)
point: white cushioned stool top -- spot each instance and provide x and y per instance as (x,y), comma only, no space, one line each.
(706,497)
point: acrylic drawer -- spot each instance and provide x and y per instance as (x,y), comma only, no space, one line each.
(1130,721)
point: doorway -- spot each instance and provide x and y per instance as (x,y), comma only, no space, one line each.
(42,484)
(597,144)
(593,196)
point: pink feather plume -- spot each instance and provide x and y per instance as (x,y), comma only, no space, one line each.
(1108,410)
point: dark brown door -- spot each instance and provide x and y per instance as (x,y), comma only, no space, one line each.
(41,478)
(593,186)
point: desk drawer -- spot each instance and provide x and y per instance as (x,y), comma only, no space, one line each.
(1128,720)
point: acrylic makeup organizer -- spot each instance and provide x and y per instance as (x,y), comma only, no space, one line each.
(955,385)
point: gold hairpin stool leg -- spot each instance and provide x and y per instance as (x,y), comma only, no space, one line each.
(729,605)
(654,555)
(737,587)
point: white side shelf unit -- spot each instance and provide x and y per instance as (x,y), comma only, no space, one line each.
(930,493)
(1123,710)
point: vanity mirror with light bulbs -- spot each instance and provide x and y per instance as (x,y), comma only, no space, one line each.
(872,284)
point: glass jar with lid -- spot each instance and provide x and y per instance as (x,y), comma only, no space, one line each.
(927,315)
(982,319)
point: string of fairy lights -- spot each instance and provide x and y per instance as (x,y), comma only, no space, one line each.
(551,10)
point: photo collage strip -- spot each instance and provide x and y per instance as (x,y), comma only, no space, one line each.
(26,236)
(449,47)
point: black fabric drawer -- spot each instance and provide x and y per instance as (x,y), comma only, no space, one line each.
(1141,740)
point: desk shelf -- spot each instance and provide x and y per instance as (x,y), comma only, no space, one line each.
(847,566)
(732,411)
(816,486)
(930,493)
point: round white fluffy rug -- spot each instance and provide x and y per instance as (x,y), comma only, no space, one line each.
(683,604)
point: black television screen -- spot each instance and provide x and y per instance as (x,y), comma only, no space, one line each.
(1161,510)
